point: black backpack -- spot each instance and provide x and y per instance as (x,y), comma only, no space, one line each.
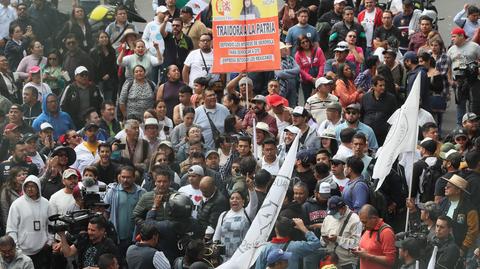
(375,198)
(430,176)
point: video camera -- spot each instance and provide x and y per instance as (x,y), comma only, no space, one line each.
(468,70)
(91,192)
(213,253)
(74,222)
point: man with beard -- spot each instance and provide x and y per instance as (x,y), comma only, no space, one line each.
(91,245)
(87,152)
(18,159)
(63,199)
(61,158)
(352,120)
(308,136)
(52,115)
(260,114)
(177,44)
(10,257)
(470,121)
(199,62)
(107,170)
(289,134)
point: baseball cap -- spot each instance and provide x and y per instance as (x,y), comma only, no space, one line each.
(259,98)
(276,255)
(28,137)
(447,146)
(335,106)
(410,55)
(407,2)
(45,126)
(161,9)
(334,204)
(409,244)
(341,46)
(459,132)
(339,159)
(458,31)
(211,152)
(300,111)
(306,156)
(69,172)
(263,126)
(80,69)
(166,143)
(292,129)
(34,69)
(469,116)
(450,155)
(429,144)
(151,121)
(10,127)
(245,80)
(355,106)
(339,1)
(187,9)
(274,100)
(328,133)
(284,46)
(322,81)
(196,170)
(391,51)
(324,190)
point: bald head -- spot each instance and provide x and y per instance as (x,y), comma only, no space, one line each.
(368,216)
(207,186)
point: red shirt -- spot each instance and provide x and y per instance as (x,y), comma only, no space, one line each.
(386,246)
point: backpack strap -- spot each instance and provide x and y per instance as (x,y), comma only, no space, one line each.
(382,227)
(284,248)
(345,223)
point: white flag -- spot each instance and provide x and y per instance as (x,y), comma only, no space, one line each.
(402,136)
(261,227)
(433,259)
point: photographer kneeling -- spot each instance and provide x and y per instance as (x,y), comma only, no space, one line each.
(90,245)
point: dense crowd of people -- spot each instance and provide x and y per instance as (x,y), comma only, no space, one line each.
(121,149)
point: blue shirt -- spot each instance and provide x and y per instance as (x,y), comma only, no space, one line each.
(217,115)
(362,128)
(127,202)
(355,194)
(295,31)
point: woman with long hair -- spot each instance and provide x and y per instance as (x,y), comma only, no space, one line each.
(345,89)
(52,72)
(328,141)
(438,88)
(71,139)
(233,125)
(80,27)
(104,57)
(311,61)
(35,58)
(390,86)
(136,96)
(11,190)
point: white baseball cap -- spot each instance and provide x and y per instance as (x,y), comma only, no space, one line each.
(339,1)
(80,70)
(161,9)
(45,126)
(322,81)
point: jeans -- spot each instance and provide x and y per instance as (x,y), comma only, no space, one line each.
(461,110)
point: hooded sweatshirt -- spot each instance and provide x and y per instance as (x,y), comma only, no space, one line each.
(61,123)
(28,221)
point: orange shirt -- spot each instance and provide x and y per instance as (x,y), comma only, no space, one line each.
(386,246)
(347,94)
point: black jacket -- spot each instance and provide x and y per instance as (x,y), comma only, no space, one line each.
(210,211)
(447,255)
(72,60)
(30,113)
(424,85)
(74,28)
(70,101)
(463,216)
(375,113)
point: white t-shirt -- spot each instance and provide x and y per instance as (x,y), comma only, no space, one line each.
(152,34)
(197,67)
(368,24)
(60,202)
(451,209)
(195,195)
(340,182)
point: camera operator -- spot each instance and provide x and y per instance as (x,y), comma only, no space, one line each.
(423,215)
(90,245)
(409,253)
(460,54)
(178,228)
(448,252)
(194,252)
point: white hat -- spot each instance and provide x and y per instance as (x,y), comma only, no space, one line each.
(151,121)
(80,70)
(322,81)
(328,133)
(161,9)
(263,126)
(284,46)
(341,46)
(45,126)
(339,1)
(196,170)
(292,129)
(324,190)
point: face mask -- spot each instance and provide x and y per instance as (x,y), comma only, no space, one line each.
(337,215)
(116,155)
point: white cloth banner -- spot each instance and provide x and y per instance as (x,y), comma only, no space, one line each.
(261,227)
(402,136)
(433,259)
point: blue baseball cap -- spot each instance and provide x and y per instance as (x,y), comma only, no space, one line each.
(410,55)
(334,204)
(277,255)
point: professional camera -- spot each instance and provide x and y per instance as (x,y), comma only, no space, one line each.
(91,192)
(213,253)
(74,222)
(468,70)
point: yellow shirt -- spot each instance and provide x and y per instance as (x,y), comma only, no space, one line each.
(91,147)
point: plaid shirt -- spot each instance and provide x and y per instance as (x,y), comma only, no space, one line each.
(443,63)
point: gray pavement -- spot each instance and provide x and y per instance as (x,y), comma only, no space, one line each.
(446,9)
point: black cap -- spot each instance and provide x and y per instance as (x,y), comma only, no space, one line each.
(112,140)
(187,9)
(334,204)
(407,2)
(90,125)
(409,244)
(28,137)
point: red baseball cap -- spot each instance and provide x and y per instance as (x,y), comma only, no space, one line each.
(276,100)
(10,127)
(458,31)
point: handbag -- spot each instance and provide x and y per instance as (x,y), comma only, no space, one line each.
(313,71)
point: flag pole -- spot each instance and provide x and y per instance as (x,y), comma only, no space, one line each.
(246,92)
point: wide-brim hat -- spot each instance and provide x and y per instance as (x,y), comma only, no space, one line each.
(127,32)
(459,182)
(72,157)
